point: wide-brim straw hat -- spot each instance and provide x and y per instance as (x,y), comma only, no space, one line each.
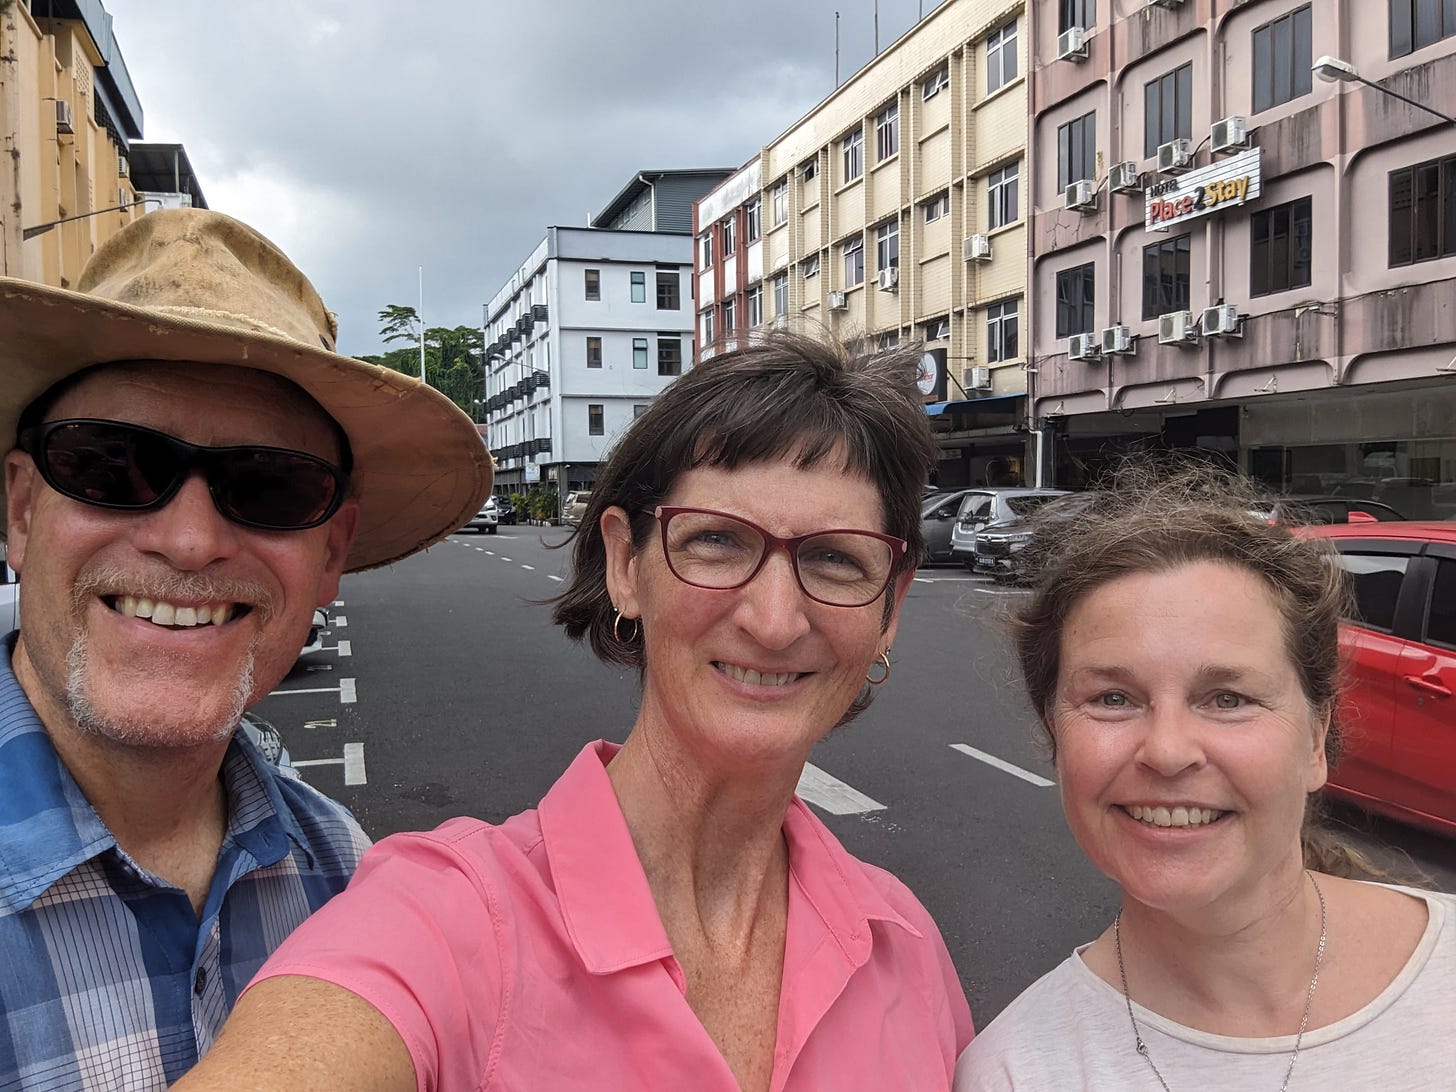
(195,285)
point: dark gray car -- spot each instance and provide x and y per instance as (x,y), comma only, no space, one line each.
(937,517)
(981,509)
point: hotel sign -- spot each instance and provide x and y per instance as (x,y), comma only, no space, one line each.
(1222,184)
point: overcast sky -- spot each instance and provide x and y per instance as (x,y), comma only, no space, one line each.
(368,139)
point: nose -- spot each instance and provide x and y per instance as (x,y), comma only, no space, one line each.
(188,531)
(772,609)
(1170,744)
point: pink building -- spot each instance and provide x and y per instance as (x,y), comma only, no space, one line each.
(1229,253)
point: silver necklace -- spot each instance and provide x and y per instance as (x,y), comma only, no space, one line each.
(1319,958)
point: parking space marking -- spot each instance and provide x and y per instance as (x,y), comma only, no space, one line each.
(347,694)
(352,761)
(1002,765)
(344,648)
(833,795)
(340,622)
(338,602)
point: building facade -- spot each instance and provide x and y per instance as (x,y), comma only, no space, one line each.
(590,327)
(893,210)
(1184,154)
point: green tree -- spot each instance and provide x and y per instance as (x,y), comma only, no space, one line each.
(453,358)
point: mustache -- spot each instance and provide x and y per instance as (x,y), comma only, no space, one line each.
(168,584)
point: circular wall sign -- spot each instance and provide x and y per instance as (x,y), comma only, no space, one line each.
(927,375)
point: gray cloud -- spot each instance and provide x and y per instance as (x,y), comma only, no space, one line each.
(368,139)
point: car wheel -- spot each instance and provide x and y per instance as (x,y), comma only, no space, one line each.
(490,530)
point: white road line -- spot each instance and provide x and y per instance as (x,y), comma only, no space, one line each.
(338,602)
(354,764)
(346,691)
(329,722)
(480,549)
(504,558)
(1002,765)
(324,690)
(346,648)
(555,578)
(833,795)
(491,552)
(340,622)
(525,566)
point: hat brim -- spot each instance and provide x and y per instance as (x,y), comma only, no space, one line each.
(421,469)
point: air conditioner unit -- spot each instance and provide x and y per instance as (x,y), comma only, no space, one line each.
(1176,328)
(63,117)
(1072,44)
(1125,178)
(1083,347)
(123,167)
(1230,134)
(976,378)
(838,301)
(1222,320)
(1176,156)
(1081,194)
(887,279)
(976,248)
(1117,341)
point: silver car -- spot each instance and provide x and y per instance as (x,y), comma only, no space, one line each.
(937,517)
(983,508)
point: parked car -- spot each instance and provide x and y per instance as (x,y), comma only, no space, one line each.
(1301,510)
(487,519)
(505,510)
(1001,549)
(981,509)
(937,517)
(1399,705)
(575,507)
(316,630)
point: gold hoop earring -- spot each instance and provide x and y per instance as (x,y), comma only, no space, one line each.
(870,676)
(617,629)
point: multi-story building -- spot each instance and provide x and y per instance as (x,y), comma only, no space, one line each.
(893,210)
(68,118)
(592,325)
(1184,152)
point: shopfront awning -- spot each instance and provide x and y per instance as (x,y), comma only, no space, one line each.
(998,403)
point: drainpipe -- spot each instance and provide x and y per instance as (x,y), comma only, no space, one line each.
(10,242)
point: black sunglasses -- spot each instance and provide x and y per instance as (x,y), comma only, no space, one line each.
(112,464)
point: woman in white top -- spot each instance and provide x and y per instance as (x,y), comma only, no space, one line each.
(1184,660)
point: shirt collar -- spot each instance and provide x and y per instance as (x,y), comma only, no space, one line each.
(48,827)
(606,902)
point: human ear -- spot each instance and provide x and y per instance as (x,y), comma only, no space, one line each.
(343,525)
(1319,767)
(20,486)
(616,530)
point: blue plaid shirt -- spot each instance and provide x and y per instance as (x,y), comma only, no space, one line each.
(108,979)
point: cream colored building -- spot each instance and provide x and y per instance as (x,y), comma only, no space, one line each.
(895,209)
(69,118)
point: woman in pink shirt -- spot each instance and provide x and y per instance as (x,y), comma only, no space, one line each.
(671,915)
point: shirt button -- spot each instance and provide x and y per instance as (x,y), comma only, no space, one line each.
(201,983)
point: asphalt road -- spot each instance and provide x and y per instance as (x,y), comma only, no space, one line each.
(443,689)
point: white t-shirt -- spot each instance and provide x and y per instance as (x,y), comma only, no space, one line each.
(1070,1031)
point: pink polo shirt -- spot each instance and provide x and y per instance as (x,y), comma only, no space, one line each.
(530,956)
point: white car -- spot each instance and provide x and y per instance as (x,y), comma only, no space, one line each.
(487,519)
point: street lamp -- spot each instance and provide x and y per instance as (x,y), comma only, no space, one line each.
(41,229)
(1334,70)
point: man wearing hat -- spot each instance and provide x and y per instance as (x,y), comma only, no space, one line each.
(194,467)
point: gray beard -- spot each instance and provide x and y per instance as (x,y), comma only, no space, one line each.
(89,721)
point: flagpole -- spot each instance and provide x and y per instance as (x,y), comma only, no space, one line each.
(422,327)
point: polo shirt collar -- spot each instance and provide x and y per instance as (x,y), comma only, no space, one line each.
(606,902)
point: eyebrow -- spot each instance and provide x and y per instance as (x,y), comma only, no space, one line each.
(1206,675)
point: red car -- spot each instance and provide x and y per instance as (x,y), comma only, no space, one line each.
(1399,709)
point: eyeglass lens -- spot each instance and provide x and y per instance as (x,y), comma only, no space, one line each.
(713,550)
(116,465)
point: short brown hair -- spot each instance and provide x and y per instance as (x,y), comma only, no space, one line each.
(784,394)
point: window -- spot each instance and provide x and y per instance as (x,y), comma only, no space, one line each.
(708,327)
(887,132)
(1168,108)
(938,329)
(809,170)
(1441,625)
(730,317)
(887,245)
(853,147)
(937,206)
(1282,59)
(730,243)
(853,262)
(669,293)
(593,284)
(1415,24)
(1423,212)
(1003,198)
(755,305)
(780,199)
(752,220)
(1075,13)
(705,249)
(1075,293)
(1077,150)
(639,286)
(638,409)
(1001,57)
(1002,333)
(639,353)
(810,266)
(1376,580)
(594,419)
(1166,268)
(1279,248)
(669,355)
(934,83)
(593,352)
(781,294)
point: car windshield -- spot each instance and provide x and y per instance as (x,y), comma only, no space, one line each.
(1029,503)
